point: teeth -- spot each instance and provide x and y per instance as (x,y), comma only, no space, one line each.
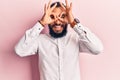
(57,26)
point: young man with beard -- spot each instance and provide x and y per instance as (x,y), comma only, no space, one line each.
(59,50)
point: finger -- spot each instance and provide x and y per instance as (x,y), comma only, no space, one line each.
(66,3)
(60,19)
(63,20)
(62,14)
(63,7)
(45,8)
(71,5)
(49,4)
(54,6)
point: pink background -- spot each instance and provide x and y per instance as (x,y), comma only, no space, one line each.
(101,16)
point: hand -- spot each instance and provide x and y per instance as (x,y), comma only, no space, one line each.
(48,15)
(68,10)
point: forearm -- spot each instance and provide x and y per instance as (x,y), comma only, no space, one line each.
(27,45)
(89,39)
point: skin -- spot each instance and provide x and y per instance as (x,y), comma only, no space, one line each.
(57,15)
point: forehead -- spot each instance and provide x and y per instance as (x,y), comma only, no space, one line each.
(58,10)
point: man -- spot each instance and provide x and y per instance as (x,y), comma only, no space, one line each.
(59,50)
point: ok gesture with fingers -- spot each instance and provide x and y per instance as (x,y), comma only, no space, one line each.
(47,17)
(68,10)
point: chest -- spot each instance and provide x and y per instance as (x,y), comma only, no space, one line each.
(65,47)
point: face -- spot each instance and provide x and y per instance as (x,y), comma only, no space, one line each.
(58,28)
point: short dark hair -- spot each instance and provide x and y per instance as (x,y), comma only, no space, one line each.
(58,4)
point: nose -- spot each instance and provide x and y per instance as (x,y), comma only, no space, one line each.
(57,21)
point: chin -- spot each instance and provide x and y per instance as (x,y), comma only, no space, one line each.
(58,34)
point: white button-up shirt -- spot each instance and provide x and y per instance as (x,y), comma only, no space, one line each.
(58,57)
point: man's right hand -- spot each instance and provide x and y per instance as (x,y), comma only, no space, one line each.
(48,16)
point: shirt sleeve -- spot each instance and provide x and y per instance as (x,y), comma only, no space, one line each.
(28,43)
(88,41)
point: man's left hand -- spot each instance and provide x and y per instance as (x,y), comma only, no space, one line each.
(68,10)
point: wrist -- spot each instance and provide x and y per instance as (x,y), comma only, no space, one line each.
(41,22)
(75,21)
(73,24)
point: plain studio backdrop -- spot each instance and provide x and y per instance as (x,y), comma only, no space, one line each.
(101,16)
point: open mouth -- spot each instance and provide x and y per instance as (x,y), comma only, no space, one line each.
(58,27)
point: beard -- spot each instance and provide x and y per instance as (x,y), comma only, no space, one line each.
(58,35)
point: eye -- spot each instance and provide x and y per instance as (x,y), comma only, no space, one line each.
(63,16)
(52,16)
